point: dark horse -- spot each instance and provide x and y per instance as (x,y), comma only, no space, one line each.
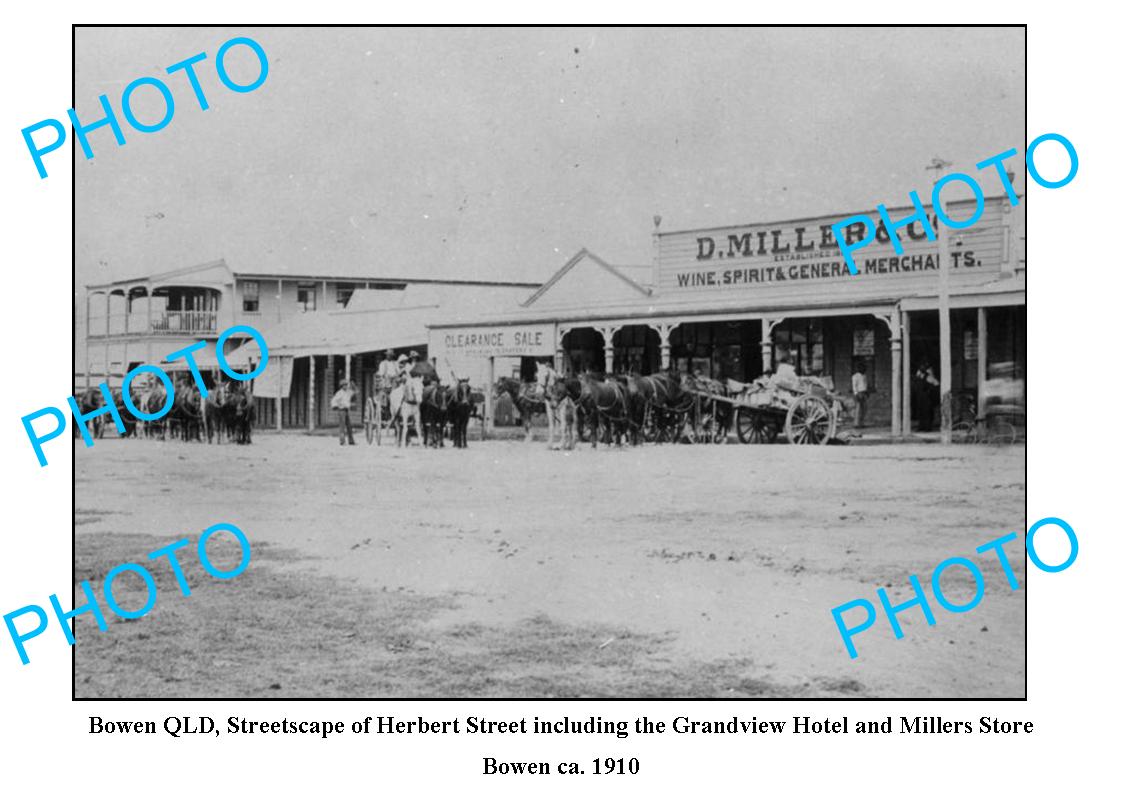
(241,413)
(87,402)
(460,409)
(606,401)
(662,403)
(434,414)
(524,398)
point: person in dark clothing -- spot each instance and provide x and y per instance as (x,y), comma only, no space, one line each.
(926,393)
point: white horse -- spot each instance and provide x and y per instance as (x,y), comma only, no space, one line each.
(405,403)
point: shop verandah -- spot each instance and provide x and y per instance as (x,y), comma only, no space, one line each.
(887,342)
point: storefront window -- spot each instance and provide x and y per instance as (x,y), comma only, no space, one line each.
(802,340)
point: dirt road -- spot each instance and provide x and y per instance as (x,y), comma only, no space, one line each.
(511,570)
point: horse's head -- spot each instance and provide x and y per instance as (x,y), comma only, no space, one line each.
(505,384)
(441,397)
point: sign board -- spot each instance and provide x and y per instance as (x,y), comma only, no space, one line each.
(800,255)
(863,343)
(970,345)
(527,340)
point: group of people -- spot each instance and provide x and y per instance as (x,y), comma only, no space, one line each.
(391,371)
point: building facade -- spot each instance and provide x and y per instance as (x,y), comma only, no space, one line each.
(728,302)
(134,321)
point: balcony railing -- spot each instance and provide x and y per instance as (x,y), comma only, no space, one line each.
(185,322)
(189,322)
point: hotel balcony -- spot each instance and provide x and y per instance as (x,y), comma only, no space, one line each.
(201,323)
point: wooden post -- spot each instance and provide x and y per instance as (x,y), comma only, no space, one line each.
(489,400)
(608,333)
(312,392)
(280,384)
(664,330)
(347,367)
(895,354)
(107,315)
(148,310)
(765,345)
(981,363)
(906,375)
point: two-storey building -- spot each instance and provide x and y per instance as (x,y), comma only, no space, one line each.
(141,320)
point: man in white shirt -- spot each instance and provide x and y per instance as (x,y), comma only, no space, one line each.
(860,388)
(387,368)
(341,403)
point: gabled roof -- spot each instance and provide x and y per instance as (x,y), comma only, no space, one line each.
(573,261)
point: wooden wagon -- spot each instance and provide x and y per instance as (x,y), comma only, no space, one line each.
(805,409)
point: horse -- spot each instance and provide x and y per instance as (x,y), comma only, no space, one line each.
(526,400)
(460,409)
(405,400)
(564,395)
(150,399)
(187,410)
(90,401)
(244,412)
(608,401)
(664,404)
(434,414)
(214,422)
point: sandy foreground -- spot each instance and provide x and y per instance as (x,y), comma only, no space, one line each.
(512,570)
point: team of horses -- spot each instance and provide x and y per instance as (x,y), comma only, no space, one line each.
(433,410)
(662,407)
(226,414)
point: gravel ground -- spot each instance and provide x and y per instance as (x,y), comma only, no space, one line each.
(512,570)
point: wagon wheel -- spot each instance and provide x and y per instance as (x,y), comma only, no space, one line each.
(1002,432)
(964,433)
(753,428)
(368,420)
(717,427)
(809,422)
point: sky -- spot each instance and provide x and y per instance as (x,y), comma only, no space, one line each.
(498,153)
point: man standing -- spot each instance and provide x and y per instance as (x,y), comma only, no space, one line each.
(341,402)
(860,388)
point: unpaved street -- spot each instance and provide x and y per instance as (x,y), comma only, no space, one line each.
(511,570)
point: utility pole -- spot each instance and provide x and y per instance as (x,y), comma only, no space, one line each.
(943,245)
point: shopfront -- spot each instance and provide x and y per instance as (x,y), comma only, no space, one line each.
(730,302)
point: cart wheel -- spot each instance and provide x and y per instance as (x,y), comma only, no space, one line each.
(719,429)
(1002,432)
(964,433)
(809,422)
(368,420)
(753,428)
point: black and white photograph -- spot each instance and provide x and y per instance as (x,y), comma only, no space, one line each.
(529,362)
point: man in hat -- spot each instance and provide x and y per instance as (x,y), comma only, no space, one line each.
(422,369)
(341,402)
(403,366)
(387,368)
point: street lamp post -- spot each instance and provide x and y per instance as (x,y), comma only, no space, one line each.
(943,244)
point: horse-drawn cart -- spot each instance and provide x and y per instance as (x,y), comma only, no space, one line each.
(376,411)
(805,409)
